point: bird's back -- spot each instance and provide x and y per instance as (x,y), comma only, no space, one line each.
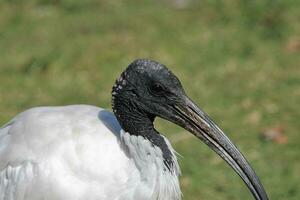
(70,152)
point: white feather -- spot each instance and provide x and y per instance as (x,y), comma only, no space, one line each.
(80,152)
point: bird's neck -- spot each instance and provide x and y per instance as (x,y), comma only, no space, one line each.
(138,123)
(155,179)
(151,152)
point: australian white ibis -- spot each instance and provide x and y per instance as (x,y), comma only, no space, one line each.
(83,152)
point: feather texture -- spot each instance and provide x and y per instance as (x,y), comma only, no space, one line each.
(79,152)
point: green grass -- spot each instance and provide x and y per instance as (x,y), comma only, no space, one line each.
(239,60)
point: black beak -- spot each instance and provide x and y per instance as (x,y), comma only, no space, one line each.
(193,119)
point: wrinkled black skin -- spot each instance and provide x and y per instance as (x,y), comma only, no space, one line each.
(151,90)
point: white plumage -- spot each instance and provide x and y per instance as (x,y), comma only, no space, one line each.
(80,152)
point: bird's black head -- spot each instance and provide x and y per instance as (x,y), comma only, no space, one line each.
(147,89)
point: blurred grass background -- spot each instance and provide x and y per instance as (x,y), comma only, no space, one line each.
(238,59)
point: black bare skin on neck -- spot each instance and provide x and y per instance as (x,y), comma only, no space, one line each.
(146,89)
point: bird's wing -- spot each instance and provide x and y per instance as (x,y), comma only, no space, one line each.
(12,178)
(17,181)
(15,178)
(70,152)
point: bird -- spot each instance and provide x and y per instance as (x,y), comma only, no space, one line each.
(78,152)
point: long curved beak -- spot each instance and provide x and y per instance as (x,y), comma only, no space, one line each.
(193,119)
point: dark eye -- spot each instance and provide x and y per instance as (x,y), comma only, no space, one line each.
(157,89)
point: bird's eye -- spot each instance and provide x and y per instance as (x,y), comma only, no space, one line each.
(157,89)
